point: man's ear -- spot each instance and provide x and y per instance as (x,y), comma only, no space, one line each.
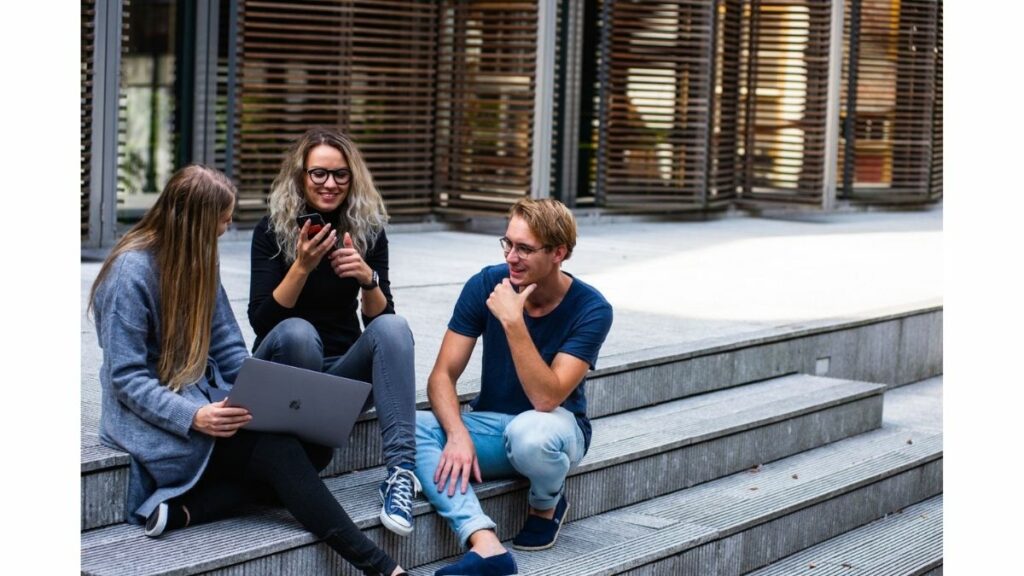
(560,253)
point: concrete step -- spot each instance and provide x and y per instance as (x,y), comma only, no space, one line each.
(755,518)
(855,348)
(654,451)
(906,543)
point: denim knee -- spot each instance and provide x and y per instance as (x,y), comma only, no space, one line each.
(534,441)
(294,341)
(393,332)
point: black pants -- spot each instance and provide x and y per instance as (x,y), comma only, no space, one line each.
(264,467)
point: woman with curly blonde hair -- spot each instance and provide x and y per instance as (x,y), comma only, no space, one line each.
(308,282)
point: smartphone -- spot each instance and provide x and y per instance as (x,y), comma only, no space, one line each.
(316,223)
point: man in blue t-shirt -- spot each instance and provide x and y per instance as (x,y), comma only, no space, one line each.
(542,330)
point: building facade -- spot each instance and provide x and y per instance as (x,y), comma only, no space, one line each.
(463,106)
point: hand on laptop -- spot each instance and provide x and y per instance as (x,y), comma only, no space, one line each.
(219,420)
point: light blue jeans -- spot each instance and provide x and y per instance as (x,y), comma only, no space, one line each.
(542,446)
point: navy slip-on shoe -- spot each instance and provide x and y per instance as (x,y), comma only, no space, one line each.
(472,564)
(540,533)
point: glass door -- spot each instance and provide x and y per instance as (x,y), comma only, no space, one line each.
(149,104)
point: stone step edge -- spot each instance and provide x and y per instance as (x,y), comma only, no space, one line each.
(106,458)
(295,536)
(836,391)
(844,550)
(677,538)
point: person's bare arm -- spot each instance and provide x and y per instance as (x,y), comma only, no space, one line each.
(545,386)
(458,460)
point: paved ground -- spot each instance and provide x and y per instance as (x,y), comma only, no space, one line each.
(669,283)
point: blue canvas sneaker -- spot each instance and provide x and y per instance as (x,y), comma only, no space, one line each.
(540,533)
(396,496)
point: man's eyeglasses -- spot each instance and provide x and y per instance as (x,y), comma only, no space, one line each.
(522,250)
(342,176)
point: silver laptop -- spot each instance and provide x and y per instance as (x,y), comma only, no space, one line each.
(316,407)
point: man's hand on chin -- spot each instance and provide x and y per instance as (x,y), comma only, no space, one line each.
(506,304)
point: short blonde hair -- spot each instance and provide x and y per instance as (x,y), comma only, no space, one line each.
(549,220)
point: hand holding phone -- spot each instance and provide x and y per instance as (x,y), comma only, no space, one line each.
(316,223)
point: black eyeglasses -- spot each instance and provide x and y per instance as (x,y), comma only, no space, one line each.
(342,176)
(522,250)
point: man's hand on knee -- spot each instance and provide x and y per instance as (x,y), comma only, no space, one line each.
(458,461)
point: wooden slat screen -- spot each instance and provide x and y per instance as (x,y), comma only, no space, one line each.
(895,94)
(88,43)
(365,66)
(221,106)
(785,100)
(657,114)
(122,107)
(726,137)
(556,156)
(485,104)
(935,187)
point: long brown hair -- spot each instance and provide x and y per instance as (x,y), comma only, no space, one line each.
(362,215)
(181,230)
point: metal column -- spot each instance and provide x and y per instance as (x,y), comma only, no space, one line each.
(544,98)
(832,109)
(106,91)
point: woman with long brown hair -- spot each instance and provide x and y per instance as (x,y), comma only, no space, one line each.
(169,339)
(309,289)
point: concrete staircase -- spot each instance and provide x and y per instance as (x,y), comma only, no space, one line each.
(721,459)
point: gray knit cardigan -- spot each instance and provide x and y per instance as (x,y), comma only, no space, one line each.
(140,415)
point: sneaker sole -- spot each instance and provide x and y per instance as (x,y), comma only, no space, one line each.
(161,521)
(553,540)
(394,526)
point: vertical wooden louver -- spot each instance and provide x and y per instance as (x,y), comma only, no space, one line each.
(935,187)
(785,99)
(557,107)
(122,106)
(88,44)
(656,119)
(892,74)
(485,104)
(221,117)
(365,66)
(725,170)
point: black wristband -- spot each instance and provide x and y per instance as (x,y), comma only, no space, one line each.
(372,284)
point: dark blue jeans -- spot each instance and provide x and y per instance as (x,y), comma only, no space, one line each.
(383,356)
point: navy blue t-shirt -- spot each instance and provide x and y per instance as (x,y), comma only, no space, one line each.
(577,326)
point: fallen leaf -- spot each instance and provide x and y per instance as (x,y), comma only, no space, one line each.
(795,477)
(845,565)
(909,441)
(811,566)
(755,469)
(753,488)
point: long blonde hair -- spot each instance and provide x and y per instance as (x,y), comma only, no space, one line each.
(362,215)
(181,230)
